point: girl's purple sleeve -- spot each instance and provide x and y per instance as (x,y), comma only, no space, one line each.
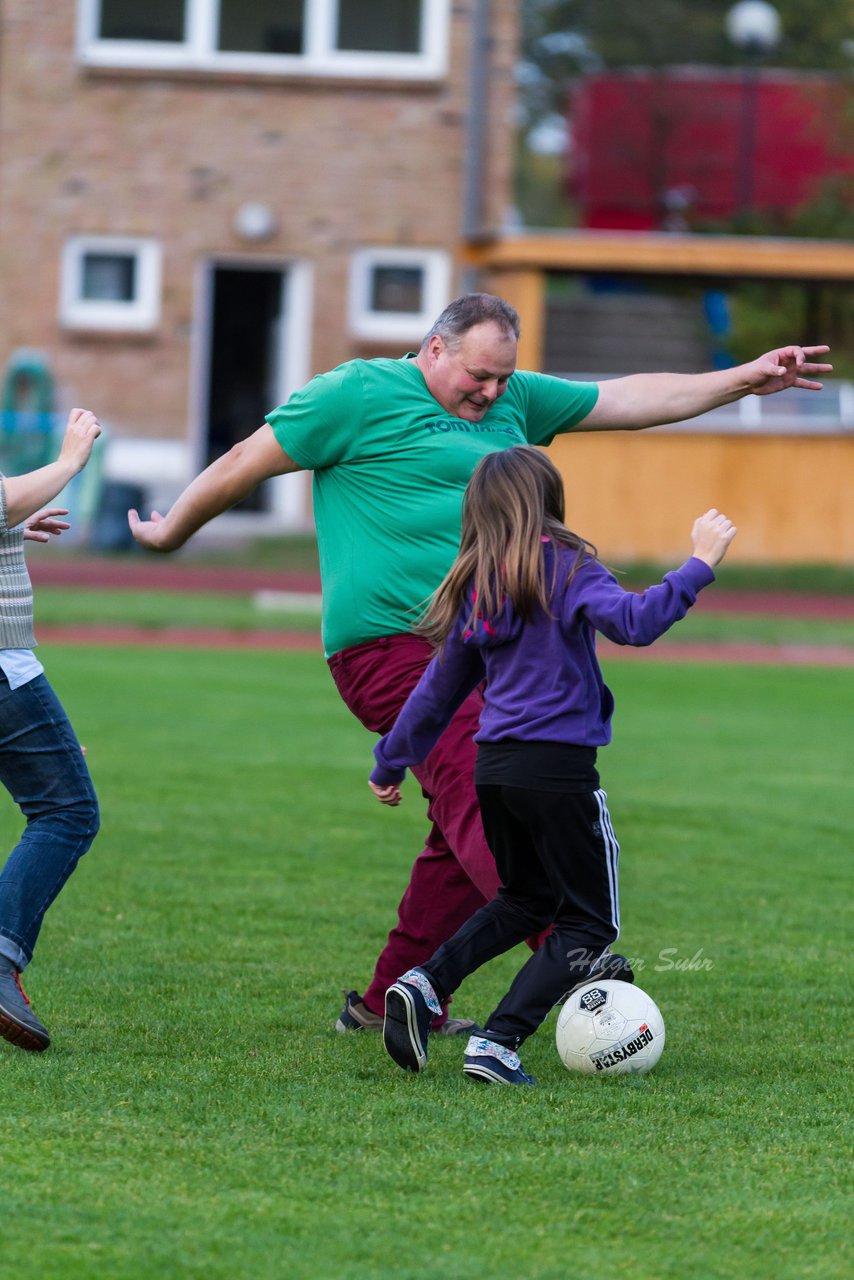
(629,617)
(427,712)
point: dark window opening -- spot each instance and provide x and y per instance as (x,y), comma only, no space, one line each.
(381,26)
(399,289)
(109,277)
(155,20)
(261,26)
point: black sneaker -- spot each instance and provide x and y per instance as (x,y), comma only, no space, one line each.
(409,1007)
(18,1024)
(612,967)
(487,1062)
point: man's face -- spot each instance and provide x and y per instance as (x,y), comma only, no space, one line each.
(468,378)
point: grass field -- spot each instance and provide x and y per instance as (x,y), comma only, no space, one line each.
(297,553)
(157,610)
(197,1116)
(160,610)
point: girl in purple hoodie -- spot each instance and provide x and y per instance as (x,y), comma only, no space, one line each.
(520,609)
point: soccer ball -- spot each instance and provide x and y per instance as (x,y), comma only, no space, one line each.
(610,1028)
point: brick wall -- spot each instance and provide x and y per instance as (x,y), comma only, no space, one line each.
(173,157)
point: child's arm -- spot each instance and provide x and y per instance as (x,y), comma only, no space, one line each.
(26,494)
(426,714)
(628,617)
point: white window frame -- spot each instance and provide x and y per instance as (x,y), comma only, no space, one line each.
(198,51)
(140,315)
(408,326)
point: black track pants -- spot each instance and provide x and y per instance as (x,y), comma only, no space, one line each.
(557,858)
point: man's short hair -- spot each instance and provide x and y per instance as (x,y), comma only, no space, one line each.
(469,310)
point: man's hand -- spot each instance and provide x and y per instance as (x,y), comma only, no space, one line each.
(149,533)
(784,368)
(386,795)
(44,524)
(221,485)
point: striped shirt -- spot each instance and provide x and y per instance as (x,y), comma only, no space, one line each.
(16,590)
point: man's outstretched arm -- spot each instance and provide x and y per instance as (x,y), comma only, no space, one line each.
(652,399)
(221,485)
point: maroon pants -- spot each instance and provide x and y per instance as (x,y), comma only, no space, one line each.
(455,874)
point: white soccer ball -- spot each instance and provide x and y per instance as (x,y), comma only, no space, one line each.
(610,1028)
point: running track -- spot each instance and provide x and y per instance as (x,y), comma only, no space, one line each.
(166,575)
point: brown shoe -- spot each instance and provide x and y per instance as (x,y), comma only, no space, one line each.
(456,1027)
(356,1016)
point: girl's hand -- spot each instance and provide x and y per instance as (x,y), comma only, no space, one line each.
(711,535)
(386,795)
(40,527)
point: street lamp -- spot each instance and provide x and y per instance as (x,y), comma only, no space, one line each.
(753,26)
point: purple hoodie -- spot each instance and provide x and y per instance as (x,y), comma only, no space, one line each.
(543,681)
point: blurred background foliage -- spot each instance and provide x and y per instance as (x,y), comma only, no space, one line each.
(564,40)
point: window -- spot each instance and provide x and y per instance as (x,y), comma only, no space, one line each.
(392,26)
(406,39)
(110,283)
(397,293)
(129,20)
(261,26)
(108,277)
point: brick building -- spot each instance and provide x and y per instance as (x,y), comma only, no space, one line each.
(205,202)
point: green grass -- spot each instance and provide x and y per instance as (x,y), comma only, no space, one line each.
(823,579)
(80,606)
(291,553)
(159,610)
(197,1116)
(703,626)
(297,553)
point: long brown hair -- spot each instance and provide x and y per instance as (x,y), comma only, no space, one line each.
(514,498)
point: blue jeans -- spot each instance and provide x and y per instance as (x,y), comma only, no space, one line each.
(44,770)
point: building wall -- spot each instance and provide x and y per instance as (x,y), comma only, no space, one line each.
(637,494)
(784,475)
(172,156)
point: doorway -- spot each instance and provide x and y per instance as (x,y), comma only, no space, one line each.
(248,306)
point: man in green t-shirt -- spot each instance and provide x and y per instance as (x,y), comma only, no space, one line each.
(392,444)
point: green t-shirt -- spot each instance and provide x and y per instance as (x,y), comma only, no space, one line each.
(390,469)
